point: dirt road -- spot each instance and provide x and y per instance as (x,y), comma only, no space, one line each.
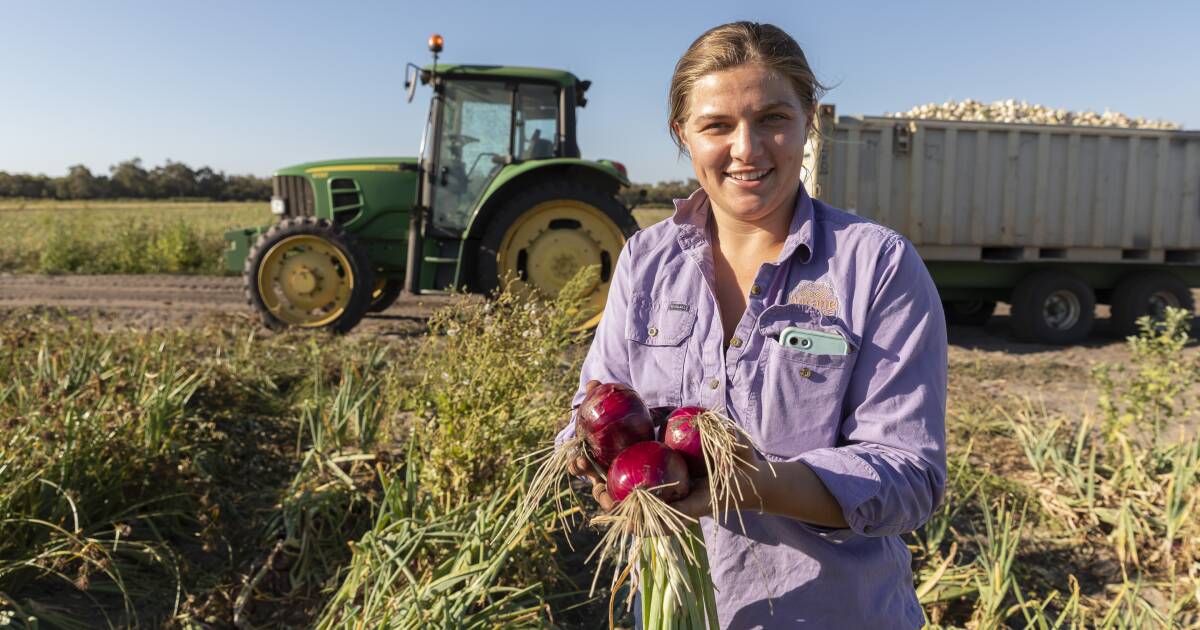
(157,301)
(1056,376)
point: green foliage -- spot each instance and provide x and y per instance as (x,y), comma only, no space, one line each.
(140,471)
(218,478)
(498,378)
(88,490)
(1104,494)
(423,565)
(1152,390)
(135,247)
(103,237)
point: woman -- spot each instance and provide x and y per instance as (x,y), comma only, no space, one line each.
(854,424)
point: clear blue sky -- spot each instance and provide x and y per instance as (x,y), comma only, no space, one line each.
(246,87)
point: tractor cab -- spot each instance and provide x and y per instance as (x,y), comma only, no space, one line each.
(491,131)
(484,118)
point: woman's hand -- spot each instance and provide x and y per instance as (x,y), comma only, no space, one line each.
(582,467)
(788,489)
(699,501)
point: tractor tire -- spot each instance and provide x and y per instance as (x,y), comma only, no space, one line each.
(308,273)
(968,312)
(1147,293)
(1053,307)
(544,235)
(386,292)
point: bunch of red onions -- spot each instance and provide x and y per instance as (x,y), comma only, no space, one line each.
(618,431)
(615,431)
(643,476)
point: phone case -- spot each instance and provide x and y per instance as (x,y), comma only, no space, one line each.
(813,342)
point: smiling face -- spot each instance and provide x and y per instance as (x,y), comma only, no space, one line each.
(745,131)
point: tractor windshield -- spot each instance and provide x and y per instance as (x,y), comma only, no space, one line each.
(476,140)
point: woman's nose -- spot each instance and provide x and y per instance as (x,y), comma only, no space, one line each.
(746,143)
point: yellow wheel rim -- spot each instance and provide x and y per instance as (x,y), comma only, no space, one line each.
(377,291)
(552,241)
(305,281)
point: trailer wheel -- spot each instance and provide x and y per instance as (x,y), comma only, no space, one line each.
(546,234)
(309,273)
(968,312)
(1147,293)
(385,293)
(1053,307)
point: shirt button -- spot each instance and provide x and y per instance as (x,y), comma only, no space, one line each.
(755,289)
(735,342)
(652,331)
(713,383)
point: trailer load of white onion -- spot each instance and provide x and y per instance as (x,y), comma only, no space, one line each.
(1013,111)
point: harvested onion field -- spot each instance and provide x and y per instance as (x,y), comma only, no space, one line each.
(210,474)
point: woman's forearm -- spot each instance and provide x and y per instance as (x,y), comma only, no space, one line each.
(794,491)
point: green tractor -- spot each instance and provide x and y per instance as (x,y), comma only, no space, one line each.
(499,191)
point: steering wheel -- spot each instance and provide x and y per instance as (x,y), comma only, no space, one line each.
(476,161)
(461,139)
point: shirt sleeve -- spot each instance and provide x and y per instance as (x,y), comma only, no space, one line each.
(888,472)
(607,359)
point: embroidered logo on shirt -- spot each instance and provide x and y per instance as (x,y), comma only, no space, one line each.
(818,295)
(677,306)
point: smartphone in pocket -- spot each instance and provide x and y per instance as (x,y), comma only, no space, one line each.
(813,341)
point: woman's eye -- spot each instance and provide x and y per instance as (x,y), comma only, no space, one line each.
(774,117)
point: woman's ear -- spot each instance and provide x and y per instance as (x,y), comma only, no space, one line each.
(679,133)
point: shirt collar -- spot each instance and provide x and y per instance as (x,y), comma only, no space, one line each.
(691,224)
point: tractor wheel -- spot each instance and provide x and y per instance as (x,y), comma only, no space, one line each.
(968,312)
(1148,293)
(543,236)
(385,293)
(309,273)
(1053,307)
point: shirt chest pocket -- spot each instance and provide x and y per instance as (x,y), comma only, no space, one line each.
(799,404)
(657,334)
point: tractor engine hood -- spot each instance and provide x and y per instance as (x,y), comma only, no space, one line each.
(362,165)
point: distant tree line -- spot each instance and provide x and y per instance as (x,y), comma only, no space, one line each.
(659,194)
(129,179)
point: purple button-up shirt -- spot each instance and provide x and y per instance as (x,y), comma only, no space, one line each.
(869,423)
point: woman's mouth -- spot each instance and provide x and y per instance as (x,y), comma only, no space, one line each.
(749,178)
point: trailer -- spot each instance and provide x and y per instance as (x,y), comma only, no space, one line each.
(1050,218)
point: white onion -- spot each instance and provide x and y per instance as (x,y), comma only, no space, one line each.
(1013,111)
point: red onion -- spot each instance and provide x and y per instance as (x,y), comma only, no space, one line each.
(647,465)
(683,435)
(611,418)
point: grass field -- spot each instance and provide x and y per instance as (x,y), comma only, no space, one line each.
(135,236)
(119,236)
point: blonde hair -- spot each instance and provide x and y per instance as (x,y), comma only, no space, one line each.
(735,44)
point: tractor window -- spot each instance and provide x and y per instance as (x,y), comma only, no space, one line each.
(476,133)
(537,122)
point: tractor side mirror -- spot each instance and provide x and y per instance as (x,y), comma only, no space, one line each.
(411,72)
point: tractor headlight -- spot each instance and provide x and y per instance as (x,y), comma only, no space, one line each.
(278,205)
